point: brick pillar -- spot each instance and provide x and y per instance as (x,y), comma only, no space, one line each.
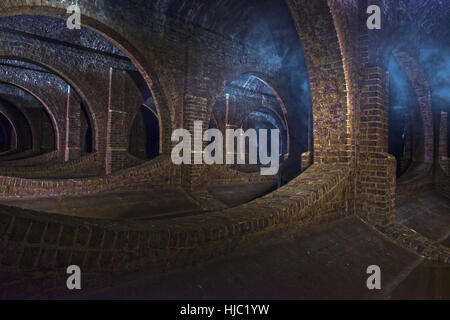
(124,101)
(116,142)
(376,168)
(73,126)
(195,109)
(443,143)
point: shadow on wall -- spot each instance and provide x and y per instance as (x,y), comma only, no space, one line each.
(144,136)
(404,119)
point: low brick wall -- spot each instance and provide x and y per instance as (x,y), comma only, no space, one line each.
(40,246)
(89,165)
(33,161)
(155,173)
(132,161)
(223,174)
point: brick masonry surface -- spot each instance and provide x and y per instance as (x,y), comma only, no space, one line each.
(346,171)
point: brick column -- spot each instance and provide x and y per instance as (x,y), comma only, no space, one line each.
(200,77)
(124,101)
(195,109)
(376,169)
(116,142)
(73,126)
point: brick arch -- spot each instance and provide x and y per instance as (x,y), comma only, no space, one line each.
(13,127)
(276,115)
(417,77)
(27,117)
(324,56)
(261,77)
(18,116)
(271,111)
(114,31)
(46,105)
(30,57)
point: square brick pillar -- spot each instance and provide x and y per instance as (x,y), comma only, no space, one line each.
(123,103)
(116,139)
(195,109)
(73,126)
(376,168)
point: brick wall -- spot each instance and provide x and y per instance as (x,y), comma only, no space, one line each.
(158,172)
(186,74)
(90,165)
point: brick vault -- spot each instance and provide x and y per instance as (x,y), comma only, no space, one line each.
(86,123)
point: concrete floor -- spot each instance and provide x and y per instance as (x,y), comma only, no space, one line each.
(316,262)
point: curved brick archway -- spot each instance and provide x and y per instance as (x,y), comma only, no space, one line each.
(274,113)
(30,56)
(260,77)
(15,137)
(279,124)
(25,133)
(324,54)
(47,104)
(25,116)
(421,87)
(27,54)
(325,64)
(114,30)
(418,176)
